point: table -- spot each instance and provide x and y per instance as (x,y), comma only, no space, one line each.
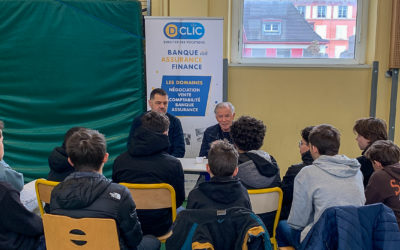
(190,166)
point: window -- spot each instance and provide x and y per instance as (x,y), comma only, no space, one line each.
(341,32)
(298,32)
(342,12)
(321,11)
(271,28)
(321,30)
(283,53)
(258,52)
(302,10)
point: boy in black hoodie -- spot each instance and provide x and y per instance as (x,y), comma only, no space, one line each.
(224,190)
(384,184)
(147,161)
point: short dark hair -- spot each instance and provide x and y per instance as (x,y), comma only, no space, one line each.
(86,148)
(157,91)
(372,129)
(326,138)
(222,158)
(305,133)
(1,128)
(383,151)
(155,121)
(70,132)
(248,133)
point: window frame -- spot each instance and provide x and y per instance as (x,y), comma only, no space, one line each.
(321,14)
(341,11)
(271,23)
(236,45)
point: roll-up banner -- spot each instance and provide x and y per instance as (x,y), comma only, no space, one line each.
(184,57)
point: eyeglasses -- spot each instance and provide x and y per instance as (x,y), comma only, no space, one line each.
(301,143)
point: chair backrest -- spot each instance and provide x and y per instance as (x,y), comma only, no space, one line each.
(153,196)
(43,192)
(65,233)
(267,200)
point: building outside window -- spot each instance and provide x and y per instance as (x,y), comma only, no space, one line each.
(299,31)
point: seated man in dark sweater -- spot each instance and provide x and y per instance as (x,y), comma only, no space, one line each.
(19,228)
(86,193)
(224,190)
(224,114)
(147,161)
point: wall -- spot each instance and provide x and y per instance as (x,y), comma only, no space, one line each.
(288,99)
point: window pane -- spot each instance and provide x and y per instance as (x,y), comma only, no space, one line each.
(299,29)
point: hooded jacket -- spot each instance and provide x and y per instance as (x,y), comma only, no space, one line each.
(59,165)
(288,183)
(175,135)
(147,161)
(219,193)
(366,167)
(20,229)
(330,181)
(258,169)
(384,186)
(89,194)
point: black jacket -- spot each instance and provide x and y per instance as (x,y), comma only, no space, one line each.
(230,229)
(88,194)
(366,168)
(219,193)
(20,229)
(175,135)
(59,165)
(148,162)
(211,134)
(288,184)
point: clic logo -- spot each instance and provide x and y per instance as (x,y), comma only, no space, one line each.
(184,30)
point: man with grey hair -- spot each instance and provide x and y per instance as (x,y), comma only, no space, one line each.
(224,113)
(7,174)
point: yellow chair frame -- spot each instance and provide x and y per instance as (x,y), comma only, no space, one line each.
(154,196)
(43,189)
(267,200)
(65,233)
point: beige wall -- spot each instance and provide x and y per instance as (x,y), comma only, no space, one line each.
(288,99)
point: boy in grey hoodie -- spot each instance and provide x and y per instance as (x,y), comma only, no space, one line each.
(332,180)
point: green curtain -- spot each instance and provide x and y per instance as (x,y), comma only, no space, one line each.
(65,64)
